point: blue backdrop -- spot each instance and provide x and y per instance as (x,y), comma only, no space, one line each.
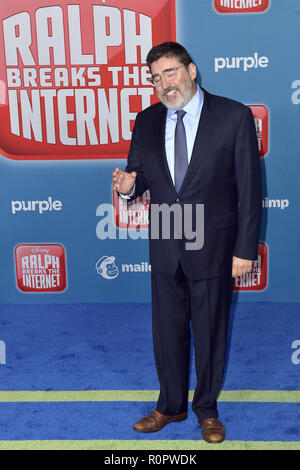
(251,57)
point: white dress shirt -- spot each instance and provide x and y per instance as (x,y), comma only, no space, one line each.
(191,120)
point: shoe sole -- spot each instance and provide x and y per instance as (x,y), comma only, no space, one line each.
(214,442)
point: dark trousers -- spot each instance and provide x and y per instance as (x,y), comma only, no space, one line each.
(178,302)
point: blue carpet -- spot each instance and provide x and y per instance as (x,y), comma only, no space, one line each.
(43,421)
(109,346)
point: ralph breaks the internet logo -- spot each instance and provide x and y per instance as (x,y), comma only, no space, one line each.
(261,119)
(257,278)
(74,75)
(241,6)
(41,268)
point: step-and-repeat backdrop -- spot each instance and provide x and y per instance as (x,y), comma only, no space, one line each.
(72,79)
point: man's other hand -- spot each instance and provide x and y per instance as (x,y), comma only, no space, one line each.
(240,266)
(123,182)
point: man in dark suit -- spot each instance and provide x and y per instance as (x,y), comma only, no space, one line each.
(198,155)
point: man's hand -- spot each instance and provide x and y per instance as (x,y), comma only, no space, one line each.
(123,182)
(240,266)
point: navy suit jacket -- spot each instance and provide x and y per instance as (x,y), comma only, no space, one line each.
(223,174)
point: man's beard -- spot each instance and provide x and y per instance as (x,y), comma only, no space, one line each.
(184,98)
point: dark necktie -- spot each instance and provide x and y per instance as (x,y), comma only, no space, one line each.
(180,150)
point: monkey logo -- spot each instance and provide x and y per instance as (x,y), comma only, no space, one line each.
(107,268)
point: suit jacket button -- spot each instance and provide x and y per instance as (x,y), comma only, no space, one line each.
(177,199)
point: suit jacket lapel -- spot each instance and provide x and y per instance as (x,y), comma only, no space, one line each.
(160,130)
(202,140)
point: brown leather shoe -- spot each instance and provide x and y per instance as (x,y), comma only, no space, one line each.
(156,421)
(213,430)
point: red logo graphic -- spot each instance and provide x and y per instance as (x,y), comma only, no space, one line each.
(257,279)
(131,214)
(261,119)
(74,76)
(241,6)
(41,268)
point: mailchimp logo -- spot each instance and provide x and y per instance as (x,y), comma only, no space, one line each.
(275,203)
(241,6)
(107,268)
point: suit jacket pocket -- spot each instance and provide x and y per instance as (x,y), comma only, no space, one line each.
(226,220)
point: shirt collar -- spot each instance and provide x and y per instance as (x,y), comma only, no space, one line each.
(193,107)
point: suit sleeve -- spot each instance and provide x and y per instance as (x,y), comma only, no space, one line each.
(134,161)
(248,181)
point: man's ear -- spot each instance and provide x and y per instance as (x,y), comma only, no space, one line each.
(192,70)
